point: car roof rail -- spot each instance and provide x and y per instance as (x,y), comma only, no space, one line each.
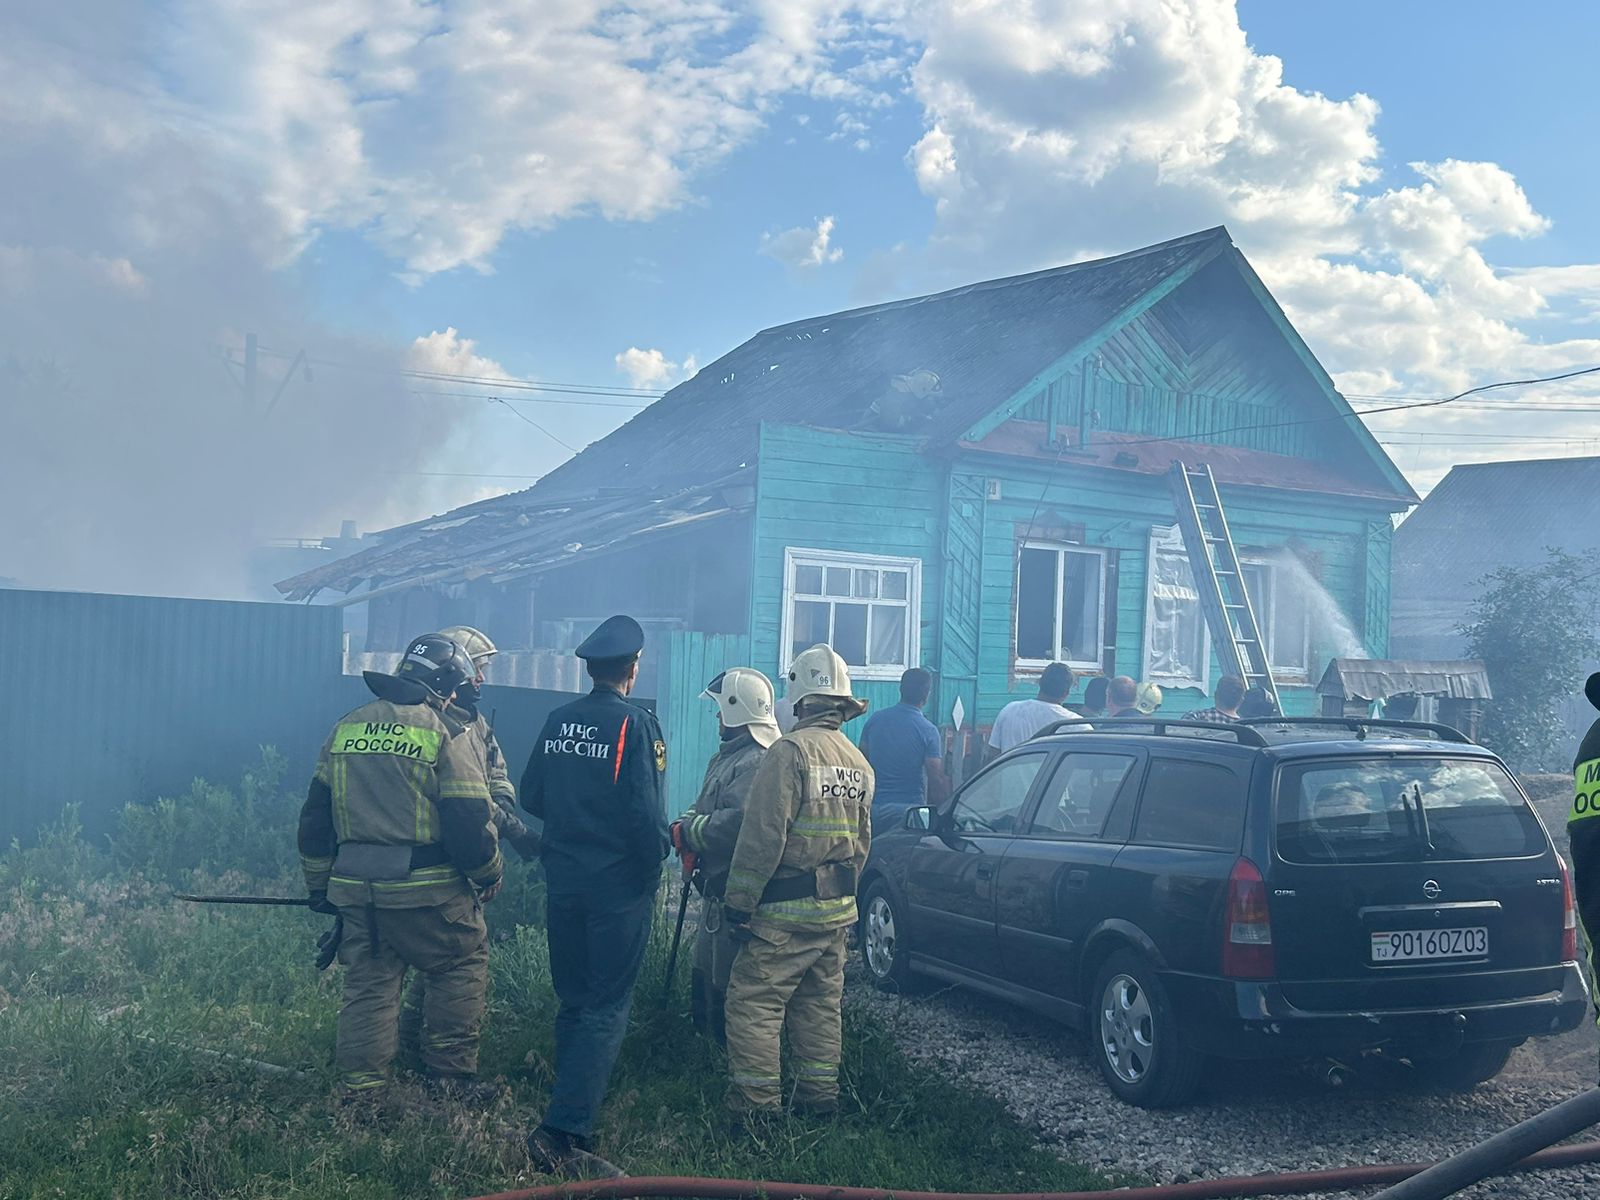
(1360,726)
(1239,733)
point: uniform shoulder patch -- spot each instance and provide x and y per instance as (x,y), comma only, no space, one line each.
(661,755)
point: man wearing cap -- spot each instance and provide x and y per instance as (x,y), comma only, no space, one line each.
(595,780)
(707,833)
(791,896)
(395,837)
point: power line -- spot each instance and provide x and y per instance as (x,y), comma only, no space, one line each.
(532,385)
(522,416)
(459,475)
(631,404)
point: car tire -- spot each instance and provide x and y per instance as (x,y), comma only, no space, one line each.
(1134,1036)
(884,946)
(1473,1063)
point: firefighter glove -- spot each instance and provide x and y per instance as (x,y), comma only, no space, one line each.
(319,903)
(737,924)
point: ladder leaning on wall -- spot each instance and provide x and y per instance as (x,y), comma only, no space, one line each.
(1224,599)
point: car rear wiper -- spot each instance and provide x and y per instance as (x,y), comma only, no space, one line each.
(1422,815)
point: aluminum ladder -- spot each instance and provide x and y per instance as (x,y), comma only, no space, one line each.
(1224,599)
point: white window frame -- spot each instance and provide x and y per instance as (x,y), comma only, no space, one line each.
(1267,619)
(801,556)
(1062,549)
(1163,536)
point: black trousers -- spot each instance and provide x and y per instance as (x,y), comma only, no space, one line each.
(596,949)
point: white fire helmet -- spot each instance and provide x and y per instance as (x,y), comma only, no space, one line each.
(818,672)
(474,641)
(744,697)
(1148,698)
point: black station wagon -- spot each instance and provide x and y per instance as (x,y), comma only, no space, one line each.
(1282,888)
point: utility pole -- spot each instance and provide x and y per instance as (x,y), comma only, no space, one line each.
(251,372)
(249,382)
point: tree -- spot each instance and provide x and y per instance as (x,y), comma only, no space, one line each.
(1533,628)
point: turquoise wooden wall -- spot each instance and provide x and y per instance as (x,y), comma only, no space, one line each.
(689,661)
(1115,511)
(826,490)
(879,495)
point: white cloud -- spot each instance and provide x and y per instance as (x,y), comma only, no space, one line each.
(803,247)
(434,130)
(1055,131)
(653,369)
(446,352)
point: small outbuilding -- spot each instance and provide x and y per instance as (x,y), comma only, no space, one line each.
(1452,693)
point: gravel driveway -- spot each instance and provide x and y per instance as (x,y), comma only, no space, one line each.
(1251,1117)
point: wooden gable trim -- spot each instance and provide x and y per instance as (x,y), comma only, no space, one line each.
(1323,380)
(1069,361)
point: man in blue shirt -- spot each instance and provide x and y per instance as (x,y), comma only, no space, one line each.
(906,753)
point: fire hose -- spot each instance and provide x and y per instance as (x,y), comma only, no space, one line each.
(1506,1151)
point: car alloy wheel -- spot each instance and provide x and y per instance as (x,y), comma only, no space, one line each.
(880,943)
(1127,1028)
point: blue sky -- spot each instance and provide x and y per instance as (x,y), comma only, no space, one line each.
(486,187)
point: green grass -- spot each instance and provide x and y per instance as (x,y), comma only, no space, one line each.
(106,984)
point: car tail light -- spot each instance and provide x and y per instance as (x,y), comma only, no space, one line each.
(1247,927)
(1569,915)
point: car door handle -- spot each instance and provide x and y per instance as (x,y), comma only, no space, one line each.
(1077,880)
(985,871)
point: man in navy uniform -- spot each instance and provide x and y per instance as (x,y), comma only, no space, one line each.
(595,780)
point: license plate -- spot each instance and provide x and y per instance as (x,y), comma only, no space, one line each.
(1419,945)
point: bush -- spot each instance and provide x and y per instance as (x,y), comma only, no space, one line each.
(213,830)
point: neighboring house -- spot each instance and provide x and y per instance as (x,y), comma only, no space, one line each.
(1481,517)
(974,481)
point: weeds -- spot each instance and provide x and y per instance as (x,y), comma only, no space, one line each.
(108,988)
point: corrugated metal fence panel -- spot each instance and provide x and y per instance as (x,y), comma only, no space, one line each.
(112,699)
(689,723)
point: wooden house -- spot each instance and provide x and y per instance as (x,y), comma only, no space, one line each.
(974,481)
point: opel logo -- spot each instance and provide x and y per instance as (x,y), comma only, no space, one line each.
(1432,890)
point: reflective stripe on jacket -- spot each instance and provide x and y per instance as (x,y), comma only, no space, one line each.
(810,805)
(399,775)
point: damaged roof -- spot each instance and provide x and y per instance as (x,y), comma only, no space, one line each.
(985,342)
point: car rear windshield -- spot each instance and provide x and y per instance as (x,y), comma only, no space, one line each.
(1402,809)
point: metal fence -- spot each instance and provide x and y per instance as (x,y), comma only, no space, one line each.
(116,699)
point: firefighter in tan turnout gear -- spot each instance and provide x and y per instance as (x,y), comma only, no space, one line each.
(791,896)
(707,833)
(465,708)
(395,836)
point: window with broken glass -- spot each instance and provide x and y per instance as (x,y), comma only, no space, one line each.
(1177,648)
(1061,605)
(863,605)
(1283,614)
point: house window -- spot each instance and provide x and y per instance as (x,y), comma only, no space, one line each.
(1061,605)
(1283,614)
(1177,646)
(865,606)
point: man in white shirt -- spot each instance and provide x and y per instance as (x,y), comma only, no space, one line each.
(1021,719)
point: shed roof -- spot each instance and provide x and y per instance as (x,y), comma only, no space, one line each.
(1379,679)
(1487,515)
